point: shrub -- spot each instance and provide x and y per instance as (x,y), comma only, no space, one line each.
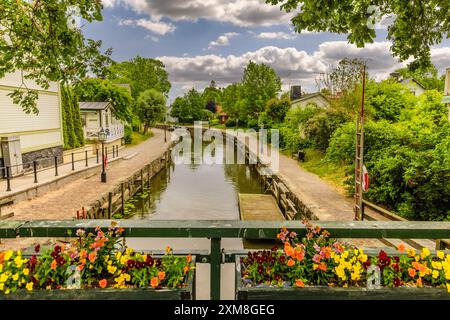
(128,137)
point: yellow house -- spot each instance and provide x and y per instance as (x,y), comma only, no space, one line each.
(27,137)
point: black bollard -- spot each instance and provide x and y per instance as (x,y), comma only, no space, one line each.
(8,180)
(35,172)
(56,166)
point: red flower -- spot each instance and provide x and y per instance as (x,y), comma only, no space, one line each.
(37,248)
(397,282)
(382,255)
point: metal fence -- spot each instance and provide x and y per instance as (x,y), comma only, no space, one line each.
(215,230)
(57,162)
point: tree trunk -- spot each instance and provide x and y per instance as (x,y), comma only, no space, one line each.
(145,128)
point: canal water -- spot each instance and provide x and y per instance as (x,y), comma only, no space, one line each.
(197,191)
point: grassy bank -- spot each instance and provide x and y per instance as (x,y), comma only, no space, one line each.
(329,171)
(137,137)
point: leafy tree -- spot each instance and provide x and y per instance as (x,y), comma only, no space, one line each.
(211,96)
(428,77)
(387,99)
(72,126)
(190,107)
(142,74)
(275,111)
(99,90)
(416,26)
(230,100)
(260,83)
(151,107)
(41,38)
(344,77)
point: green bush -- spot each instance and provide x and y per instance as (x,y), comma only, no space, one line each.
(214,122)
(408,161)
(128,134)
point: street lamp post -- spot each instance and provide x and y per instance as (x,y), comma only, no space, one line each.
(102,139)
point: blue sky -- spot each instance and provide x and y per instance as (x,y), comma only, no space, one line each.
(204,40)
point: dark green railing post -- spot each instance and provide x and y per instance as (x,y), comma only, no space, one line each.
(216,261)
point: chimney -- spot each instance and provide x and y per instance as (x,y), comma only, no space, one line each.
(296,92)
(447,82)
(395,75)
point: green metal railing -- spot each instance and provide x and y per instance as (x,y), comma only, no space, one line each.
(218,229)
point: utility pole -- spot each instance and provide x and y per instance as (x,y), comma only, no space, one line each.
(359,153)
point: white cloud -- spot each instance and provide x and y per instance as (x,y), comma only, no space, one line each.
(248,13)
(292,65)
(275,35)
(223,40)
(157,27)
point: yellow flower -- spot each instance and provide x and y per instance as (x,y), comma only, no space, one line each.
(26,271)
(8,255)
(3,277)
(29,286)
(363,258)
(15,277)
(1,267)
(127,276)
(440,254)
(7,291)
(425,253)
(48,287)
(435,274)
(129,251)
(411,252)
(448,287)
(112,269)
(417,258)
(436,265)
(2,286)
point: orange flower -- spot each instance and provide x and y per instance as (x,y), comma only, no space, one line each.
(186,269)
(289,250)
(290,263)
(80,268)
(168,249)
(161,275)
(299,255)
(419,282)
(154,282)
(412,272)
(188,258)
(83,254)
(322,266)
(416,265)
(2,255)
(92,256)
(53,265)
(102,283)
(401,247)
(299,283)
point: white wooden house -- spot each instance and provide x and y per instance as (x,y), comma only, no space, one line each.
(96,116)
(28,137)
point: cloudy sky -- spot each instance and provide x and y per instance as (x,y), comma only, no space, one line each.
(204,40)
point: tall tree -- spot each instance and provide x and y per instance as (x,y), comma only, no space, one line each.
(229,100)
(42,38)
(142,74)
(211,96)
(151,107)
(260,83)
(416,25)
(344,77)
(190,107)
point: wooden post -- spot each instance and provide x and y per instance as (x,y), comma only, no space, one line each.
(142,181)
(122,191)
(110,196)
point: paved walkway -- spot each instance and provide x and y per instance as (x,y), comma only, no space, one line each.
(64,202)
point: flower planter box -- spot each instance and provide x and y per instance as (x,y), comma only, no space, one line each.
(185,293)
(333,293)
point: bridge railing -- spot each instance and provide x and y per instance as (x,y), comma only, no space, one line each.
(215,230)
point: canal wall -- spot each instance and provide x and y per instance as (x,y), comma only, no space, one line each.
(113,201)
(290,203)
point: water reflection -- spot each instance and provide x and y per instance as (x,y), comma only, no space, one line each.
(198,191)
